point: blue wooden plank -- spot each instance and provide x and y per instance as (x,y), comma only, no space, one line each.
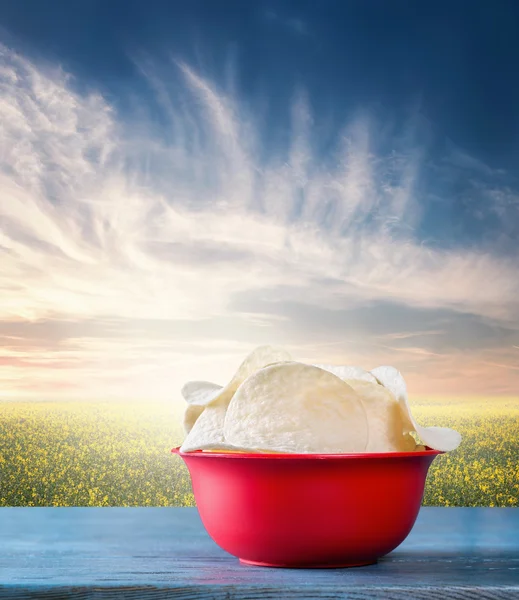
(165,553)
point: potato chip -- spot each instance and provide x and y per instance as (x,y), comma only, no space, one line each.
(349,372)
(296,408)
(197,394)
(207,432)
(259,358)
(274,405)
(204,393)
(225,449)
(385,418)
(191,414)
(439,438)
(200,393)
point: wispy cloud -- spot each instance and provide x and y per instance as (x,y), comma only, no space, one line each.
(293,24)
(404,335)
(127,229)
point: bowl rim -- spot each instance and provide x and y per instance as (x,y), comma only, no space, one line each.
(286,456)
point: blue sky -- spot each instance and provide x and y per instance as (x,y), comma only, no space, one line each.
(181,181)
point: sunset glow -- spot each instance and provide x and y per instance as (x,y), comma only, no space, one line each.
(134,260)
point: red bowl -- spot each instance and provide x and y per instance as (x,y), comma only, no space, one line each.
(308,510)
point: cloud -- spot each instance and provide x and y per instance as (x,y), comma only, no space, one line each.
(135,255)
(457,157)
(400,324)
(293,24)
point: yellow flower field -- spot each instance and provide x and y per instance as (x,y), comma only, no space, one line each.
(117,454)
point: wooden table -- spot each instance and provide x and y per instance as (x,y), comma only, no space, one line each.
(98,553)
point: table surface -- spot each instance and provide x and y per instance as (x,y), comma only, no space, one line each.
(83,553)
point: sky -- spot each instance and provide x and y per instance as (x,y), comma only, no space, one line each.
(183,181)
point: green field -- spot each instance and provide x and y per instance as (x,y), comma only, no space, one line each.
(117,454)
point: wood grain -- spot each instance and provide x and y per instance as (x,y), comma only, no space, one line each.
(83,553)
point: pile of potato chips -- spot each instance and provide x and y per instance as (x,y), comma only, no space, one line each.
(273,404)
